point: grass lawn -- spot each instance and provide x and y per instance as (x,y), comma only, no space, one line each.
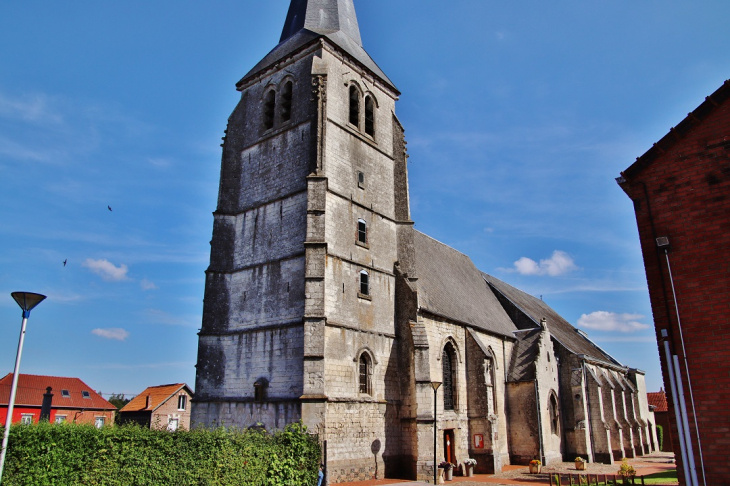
(666,478)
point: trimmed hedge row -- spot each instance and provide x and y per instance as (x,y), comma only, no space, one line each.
(69,454)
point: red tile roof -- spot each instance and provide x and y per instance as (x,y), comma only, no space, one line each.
(658,400)
(157,396)
(32,387)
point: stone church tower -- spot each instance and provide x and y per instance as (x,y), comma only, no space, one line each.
(323,303)
(313,203)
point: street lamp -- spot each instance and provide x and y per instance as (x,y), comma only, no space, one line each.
(435,385)
(27,301)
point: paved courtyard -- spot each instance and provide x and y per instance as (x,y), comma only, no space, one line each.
(511,475)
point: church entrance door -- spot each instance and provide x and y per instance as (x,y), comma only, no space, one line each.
(449,446)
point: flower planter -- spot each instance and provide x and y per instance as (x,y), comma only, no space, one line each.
(580,465)
(441,476)
(449,474)
(535,468)
(469,470)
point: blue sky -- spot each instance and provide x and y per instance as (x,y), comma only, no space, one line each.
(519,115)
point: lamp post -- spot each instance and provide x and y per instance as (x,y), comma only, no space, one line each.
(435,385)
(27,301)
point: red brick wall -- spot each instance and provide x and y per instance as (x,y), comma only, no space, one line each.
(72,415)
(684,193)
(169,409)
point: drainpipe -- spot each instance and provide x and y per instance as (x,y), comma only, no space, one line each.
(677,413)
(589,421)
(539,417)
(664,243)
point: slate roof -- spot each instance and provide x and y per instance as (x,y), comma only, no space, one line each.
(559,328)
(675,134)
(524,352)
(308,20)
(32,387)
(449,285)
(158,396)
(658,400)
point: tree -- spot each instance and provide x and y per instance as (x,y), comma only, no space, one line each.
(118,400)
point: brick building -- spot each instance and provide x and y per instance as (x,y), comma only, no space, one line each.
(160,407)
(658,404)
(323,304)
(72,400)
(681,193)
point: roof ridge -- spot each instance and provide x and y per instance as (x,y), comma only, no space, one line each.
(449,247)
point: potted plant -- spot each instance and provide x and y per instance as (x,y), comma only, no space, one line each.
(448,470)
(535,466)
(627,472)
(580,463)
(469,465)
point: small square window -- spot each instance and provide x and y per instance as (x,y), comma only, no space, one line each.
(361,180)
(99,422)
(85,394)
(26,419)
(65,393)
(60,419)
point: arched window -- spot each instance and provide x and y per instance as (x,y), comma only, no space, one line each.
(269,107)
(364,283)
(369,116)
(354,106)
(448,363)
(365,374)
(554,415)
(362,232)
(286,98)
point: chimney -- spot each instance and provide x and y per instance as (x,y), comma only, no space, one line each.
(46,405)
(148,402)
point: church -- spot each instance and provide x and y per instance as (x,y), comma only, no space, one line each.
(324,305)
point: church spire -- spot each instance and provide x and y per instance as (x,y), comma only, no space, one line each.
(322,17)
(308,20)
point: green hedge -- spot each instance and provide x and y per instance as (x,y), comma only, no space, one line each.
(69,454)
(660,436)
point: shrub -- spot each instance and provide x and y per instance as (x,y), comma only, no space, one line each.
(70,454)
(660,436)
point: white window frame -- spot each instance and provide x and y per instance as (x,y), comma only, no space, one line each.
(99,422)
(184,400)
(26,418)
(59,419)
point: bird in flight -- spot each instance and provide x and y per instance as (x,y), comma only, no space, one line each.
(109,207)
(65,262)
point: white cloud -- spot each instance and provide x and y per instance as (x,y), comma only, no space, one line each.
(147,285)
(107,270)
(111,333)
(32,108)
(559,263)
(611,321)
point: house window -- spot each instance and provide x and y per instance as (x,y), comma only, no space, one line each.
(362,232)
(369,116)
(366,370)
(286,97)
(60,419)
(26,419)
(269,106)
(85,394)
(354,106)
(173,424)
(448,364)
(364,283)
(361,180)
(182,402)
(554,415)
(99,422)
(65,393)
